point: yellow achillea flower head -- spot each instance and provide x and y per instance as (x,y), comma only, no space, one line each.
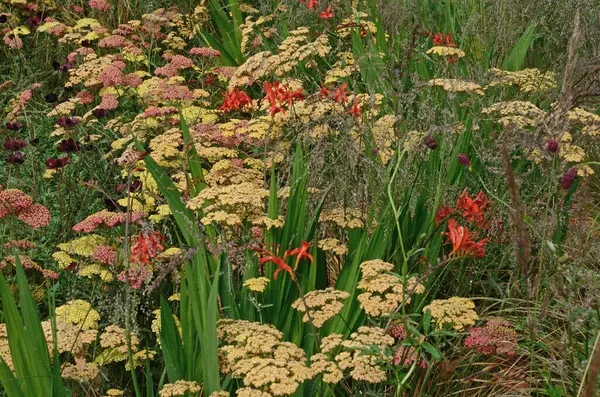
(323,305)
(384,292)
(179,388)
(349,218)
(443,51)
(455,85)
(256,354)
(78,312)
(83,246)
(527,80)
(257,284)
(354,355)
(333,245)
(458,312)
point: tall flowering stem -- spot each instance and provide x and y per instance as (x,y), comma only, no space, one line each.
(397,220)
(300,253)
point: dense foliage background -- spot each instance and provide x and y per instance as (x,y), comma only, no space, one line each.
(300,198)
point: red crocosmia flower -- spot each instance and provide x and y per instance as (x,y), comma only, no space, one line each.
(302,253)
(327,14)
(473,209)
(441,40)
(462,241)
(340,95)
(146,246)
(278,95)
(312,4)
(281,265)
(235,99)
(355,110)
(443,212)
(324,92)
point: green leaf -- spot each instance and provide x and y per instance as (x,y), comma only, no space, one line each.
(516,57)
(210,358)
(170,343)
(432,350)
(9,382)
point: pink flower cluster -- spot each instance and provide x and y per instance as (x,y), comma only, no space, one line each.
(21,244)
(405,354)
(113,41)
(497,337)
(85,97)
(105,254)
(109,102)
(131,80)
(27,263)
(100,5)
(136,275)
(177,92)
(205,52)
(156,111)
(176,63)
(112,74)
(106,218)
(15,202)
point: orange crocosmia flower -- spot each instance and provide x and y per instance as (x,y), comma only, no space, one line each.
(281,265)
(302,253)
(442,214)
(340,95)
(324,92)
(462,241)
(326,15)
(267,257)
(355,110)
(473,210)
(235,99)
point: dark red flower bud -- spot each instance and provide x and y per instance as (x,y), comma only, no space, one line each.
(552,145)
(430,142)
(67,122)
(51,163)
(100,113)
(16,158)
(463,159)
(51,98)
(54,163)
(68,146)
(569,177)
(14,144)
(15,126)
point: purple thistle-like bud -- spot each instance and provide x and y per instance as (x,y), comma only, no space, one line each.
(569,177)
(16,158)
(68,146)
(14,144)
(100,113)
(552,145)
(430,142)
(463,159)
(67,122)
(17,125)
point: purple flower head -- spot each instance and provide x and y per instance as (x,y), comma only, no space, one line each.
(68,146)
(552,145)
(569,177)
(430,142)
(14,144)
(14,126)
(67,122)
(16,158)
(463,159)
